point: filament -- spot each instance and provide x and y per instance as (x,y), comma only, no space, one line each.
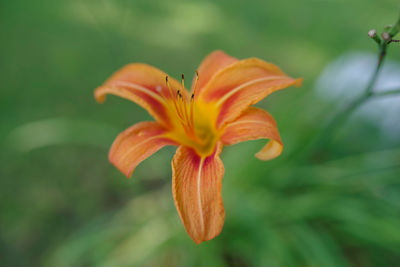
(183,105)
(192,99)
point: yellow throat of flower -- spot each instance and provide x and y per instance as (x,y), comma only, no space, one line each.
(193,120)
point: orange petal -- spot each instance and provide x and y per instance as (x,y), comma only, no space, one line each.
(242,84)
(210,65)
(255,123)
(142,84)
(135,144)
(196,186)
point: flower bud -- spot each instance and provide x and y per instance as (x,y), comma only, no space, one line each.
(372,33)
(386,36)
(388,27)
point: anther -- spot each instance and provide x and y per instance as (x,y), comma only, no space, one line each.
(183,82)
(196,83)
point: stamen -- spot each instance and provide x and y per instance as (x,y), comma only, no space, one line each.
(182,104)
(160,89)
(186,103)
(196,82)
(183,98)
(169,87)
(172,98)
(192,100)
(183,81)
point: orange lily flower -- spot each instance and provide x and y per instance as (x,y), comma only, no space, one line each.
(216,112)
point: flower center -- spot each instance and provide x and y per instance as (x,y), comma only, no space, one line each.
(193,120)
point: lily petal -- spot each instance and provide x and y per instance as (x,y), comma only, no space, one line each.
(255,123)
(135,144)
(244,83)
(196,186)
(210,65)
(142,84)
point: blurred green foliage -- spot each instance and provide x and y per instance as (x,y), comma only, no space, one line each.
(63,204)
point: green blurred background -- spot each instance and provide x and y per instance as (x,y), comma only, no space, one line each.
(63,204)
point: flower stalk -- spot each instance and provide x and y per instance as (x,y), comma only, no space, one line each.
(344,113)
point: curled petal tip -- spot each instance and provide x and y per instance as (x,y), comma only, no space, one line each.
(99,96)
(298,82)
(270,151)
(255,123)
(114,161)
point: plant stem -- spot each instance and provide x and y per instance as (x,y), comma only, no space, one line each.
(343,114)
(395,29)
(348,109)
(387,93)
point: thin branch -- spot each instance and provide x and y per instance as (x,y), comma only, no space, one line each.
(346,110)
(387,93)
